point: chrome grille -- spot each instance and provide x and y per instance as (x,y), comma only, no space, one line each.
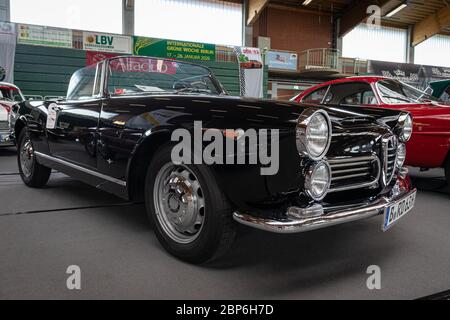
(348,173)
(390,145)
(4,126)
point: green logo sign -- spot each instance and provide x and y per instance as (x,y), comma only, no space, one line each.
(180,50)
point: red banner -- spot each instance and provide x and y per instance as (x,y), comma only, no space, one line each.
(93,57)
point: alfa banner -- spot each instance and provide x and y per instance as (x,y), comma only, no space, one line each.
(7,51)
(251,73)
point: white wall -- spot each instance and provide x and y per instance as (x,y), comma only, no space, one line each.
(384,43)
(434,51)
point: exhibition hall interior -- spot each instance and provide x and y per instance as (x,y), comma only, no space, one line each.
(224,150)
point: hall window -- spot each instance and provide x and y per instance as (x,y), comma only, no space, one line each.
(434,51)
(97,15)
(371,43)
(209,21)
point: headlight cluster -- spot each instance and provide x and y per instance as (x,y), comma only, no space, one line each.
(405,130)
(317,180)
(314,133)
(406,127)
(401,155)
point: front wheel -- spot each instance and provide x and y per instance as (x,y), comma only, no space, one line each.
(192,218)
(32,173)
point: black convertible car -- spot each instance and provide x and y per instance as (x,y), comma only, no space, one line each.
(279,167)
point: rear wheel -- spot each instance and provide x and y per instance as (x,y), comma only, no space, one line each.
(192,217)
(32,173)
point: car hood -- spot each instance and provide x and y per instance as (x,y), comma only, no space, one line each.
(269,112)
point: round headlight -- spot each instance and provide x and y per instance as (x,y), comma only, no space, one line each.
(314,134)
(407,128)
(318,180)
(401,155)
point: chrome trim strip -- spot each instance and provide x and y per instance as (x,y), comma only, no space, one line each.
(335,217)
(82,169)
(351,176)
(350,159)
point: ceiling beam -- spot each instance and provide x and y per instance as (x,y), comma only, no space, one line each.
(431,26)
(356,13)
(255,7)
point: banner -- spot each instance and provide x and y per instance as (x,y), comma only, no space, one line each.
(7,51)
(93,57)
(251,71)
(282,60)
(416,75)
(44,36)
(107,43)
(172,49)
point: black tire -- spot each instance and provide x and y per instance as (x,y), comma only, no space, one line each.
(218,228)
(38,174)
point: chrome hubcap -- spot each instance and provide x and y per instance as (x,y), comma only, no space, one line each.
(179,203)
(27,158)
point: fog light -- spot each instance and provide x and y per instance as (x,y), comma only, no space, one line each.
(318,180)
(401,155)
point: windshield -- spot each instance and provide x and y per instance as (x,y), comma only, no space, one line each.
(10,94)
(140,75)
(397,92)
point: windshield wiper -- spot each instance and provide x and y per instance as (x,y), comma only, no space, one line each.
(145,93)
(194,90)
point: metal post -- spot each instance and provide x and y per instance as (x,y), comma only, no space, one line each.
(128,16)
(5,10)
(409,47)
(274,90)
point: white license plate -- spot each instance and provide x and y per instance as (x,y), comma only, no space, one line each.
(396,211)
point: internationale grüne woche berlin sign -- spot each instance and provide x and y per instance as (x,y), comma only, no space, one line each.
(173,49)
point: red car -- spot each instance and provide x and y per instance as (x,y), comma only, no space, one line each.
(430,142)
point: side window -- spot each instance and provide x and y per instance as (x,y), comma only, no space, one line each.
(316,97)
(5,94)
(354,99)
(353,93)
(81,86)
(446,95)
(368,97)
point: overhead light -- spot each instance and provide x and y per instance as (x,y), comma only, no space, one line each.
(307,2)
(397,10)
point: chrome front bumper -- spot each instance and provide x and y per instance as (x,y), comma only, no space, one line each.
(295,223)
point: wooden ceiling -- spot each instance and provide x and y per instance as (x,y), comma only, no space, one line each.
(328,6)
(416,11)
